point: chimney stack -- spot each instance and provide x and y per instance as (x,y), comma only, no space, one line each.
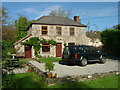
(76,19)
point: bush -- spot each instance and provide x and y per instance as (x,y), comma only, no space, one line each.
(49,66)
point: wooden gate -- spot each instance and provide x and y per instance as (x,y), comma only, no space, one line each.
(28,51)
(58,49)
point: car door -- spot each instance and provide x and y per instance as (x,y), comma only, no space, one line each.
(94,53)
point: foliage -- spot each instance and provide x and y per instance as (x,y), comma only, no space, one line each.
(116,27)
(7,48)
(35,41)
(49,66)
(50,59)
(61,12)
(48,41)
(110,38)
(65,44)
(93,35)
(25,80)
(4,15)
(8,33)
(21,25)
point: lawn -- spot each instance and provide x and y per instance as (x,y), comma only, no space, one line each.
(105,82)
(27,80)
(50,59)
(32,80)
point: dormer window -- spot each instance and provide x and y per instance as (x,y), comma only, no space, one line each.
(44,30)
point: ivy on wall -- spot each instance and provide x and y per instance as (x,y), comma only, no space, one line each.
(35,42)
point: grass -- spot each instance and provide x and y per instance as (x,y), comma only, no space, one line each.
(32,80)
(105,82)
(50,59)
(28,80)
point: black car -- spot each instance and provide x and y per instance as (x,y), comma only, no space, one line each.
(81,55)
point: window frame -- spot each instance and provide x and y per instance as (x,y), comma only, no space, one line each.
(47,44)
(72,31)
(57,30)
(42,30)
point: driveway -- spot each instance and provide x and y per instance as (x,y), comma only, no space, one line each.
(65,70)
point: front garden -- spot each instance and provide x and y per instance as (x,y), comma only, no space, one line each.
(32,80)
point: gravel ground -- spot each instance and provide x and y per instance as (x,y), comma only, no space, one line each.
(65,70)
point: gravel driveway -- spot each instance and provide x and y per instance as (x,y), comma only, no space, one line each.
(65,70)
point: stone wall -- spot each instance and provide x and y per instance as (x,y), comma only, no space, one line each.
(79,38)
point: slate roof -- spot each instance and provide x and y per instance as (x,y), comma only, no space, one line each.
(56,20)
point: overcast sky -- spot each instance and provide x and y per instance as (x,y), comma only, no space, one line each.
(99,15)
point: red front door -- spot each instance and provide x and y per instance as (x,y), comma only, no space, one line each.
(28,51)
(58,49)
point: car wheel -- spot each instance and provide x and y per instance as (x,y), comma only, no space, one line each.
(84,62)
(103,59)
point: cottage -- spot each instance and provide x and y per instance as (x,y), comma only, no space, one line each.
(61,29)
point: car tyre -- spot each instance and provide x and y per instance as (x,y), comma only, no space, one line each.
(84,62)
(103,59)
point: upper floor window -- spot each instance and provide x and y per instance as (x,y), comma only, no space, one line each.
(72,31)
(59,31)
(44,30)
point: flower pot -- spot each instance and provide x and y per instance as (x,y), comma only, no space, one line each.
(29,70)
(55,76)
(24,65)
(49,75)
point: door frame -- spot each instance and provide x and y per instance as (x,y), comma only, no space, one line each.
(60,50)
(29,51)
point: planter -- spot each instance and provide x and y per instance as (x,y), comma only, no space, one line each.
(24,65)
(29,70)
(49,75)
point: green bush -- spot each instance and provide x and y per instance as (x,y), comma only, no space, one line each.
(49,66)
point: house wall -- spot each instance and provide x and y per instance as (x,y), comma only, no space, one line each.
(21,49)
(79,38)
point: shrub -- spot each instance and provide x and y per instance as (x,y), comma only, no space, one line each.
(49,66)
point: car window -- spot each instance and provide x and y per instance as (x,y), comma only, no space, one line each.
(80,49)
(93,49)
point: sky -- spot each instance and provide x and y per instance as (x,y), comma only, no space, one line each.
(97,15)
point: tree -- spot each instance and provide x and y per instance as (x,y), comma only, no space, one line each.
(4,15)
(60,12)
(110,39)
(8,33)
(21,25)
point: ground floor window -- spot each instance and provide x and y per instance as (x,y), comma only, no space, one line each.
(71,43)
(45,47)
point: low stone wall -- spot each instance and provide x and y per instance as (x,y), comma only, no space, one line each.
(79,78)
(62,80)
(37,70)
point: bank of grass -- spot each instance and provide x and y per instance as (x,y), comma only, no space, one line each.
(50,59)
(32,80)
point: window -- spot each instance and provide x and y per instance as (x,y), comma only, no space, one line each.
(58,31)
(44,30)
(71,44)
(45,47)
(72,31)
